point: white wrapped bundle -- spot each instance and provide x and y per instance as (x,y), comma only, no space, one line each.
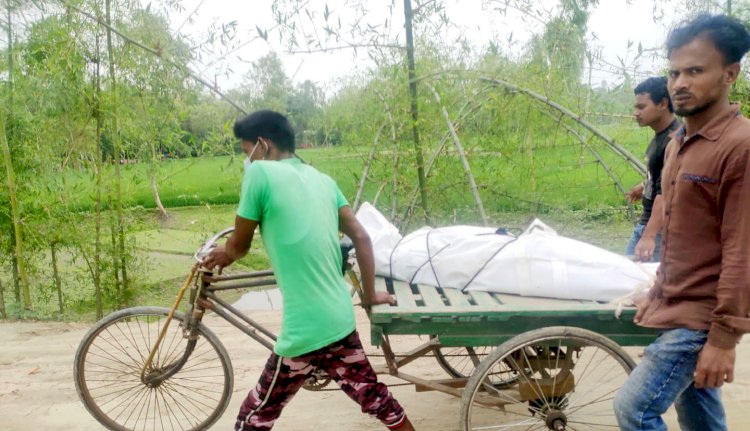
(538,262)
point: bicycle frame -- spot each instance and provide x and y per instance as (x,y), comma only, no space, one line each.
(203,296)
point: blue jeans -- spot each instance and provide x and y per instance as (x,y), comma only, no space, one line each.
(636,236)
(664,377)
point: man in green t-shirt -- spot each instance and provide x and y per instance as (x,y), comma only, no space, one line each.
(300,212)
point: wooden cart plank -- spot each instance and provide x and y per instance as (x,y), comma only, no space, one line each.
(484,299)
(380,284)
(430,296)
(404,295)
(456,297)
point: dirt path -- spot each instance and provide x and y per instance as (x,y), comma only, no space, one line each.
(37,390)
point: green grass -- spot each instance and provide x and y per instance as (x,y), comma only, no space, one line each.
(195,181)
(556,174)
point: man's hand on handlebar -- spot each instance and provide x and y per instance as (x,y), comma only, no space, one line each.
(218,257)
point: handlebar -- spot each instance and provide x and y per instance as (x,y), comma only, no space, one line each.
(204,250)
(206,247)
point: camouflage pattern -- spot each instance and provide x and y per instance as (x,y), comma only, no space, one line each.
(343,361)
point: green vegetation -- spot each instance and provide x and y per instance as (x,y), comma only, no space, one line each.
(109,128)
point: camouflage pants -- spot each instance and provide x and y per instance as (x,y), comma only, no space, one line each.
(344,361)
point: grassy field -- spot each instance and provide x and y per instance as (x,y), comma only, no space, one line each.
(198,181)
(551,174)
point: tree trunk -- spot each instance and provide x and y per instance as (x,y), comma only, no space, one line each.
(155,191)
(414,108)
(56,275)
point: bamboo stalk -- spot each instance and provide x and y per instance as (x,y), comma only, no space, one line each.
(366,171)
(377,194)
(619,149)
(15,211)
(462,155)
(9,31)
(120,256)
(19,260)
(97,275)
(56,276)
(437,151)
(600,160)
(394,183)
(14,270)
(414,108)
(3,310)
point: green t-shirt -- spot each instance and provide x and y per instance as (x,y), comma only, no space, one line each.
(297,208)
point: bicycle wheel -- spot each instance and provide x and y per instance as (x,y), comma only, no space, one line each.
(566,377)
(107,372)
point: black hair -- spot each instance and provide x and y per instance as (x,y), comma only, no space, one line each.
(656,88)
(729,35)
(266,124)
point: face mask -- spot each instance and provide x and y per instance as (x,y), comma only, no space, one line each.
(249,160)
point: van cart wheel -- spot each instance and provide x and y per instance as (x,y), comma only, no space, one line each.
(566,380)
(460,362)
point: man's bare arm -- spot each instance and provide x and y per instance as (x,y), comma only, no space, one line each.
(644,250)
(236,246)
(350,226)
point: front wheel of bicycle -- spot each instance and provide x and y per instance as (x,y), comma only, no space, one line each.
(109,381)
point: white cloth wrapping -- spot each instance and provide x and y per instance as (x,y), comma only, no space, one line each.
(539,262)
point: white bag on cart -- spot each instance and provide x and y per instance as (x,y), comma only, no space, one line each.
(539,262)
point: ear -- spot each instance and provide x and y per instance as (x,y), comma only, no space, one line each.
(731,73)
(664,104)
(264,143)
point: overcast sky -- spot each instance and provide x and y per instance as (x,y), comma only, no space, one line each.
(613,26)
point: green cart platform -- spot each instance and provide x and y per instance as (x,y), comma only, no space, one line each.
(518,363)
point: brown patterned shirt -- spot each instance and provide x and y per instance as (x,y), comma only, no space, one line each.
(704,278)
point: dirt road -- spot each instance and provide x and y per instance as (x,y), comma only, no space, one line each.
(37,390)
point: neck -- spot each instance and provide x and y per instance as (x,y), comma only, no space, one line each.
(695,122)
(281,155)
(663,123)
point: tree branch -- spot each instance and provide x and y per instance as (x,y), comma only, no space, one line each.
(343,47)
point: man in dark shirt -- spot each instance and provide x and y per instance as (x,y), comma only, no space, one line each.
(653,108)
(701,299)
